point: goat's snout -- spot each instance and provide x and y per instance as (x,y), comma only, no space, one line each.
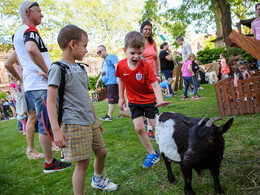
(188,155)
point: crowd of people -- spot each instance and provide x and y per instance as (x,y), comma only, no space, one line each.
(140,74)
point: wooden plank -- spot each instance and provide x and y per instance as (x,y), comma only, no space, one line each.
(257,94)
(177,78)
(249,96)
(218,95)
(241,97)
(225,97)
(233,94)
(252,46)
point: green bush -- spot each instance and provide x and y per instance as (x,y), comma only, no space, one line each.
(208,55)
(2,95)
(92,84)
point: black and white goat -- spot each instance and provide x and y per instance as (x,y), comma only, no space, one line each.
(194,143)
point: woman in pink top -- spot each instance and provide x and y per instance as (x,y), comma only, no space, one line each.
(188,76)
(150,51)
(151,56)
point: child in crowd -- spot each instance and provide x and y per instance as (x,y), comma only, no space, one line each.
(142,88)
(80,132)
(10,101)
(224,68)
(195,69)
(166,86)
(22,118)
(242,71)
(5,107)
(188,76)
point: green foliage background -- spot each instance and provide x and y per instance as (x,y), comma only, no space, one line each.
(208,55)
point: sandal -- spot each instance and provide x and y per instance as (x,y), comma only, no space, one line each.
(35,155)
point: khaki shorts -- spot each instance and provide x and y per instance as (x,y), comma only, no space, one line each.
(81,141)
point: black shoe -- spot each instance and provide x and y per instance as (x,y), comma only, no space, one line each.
(55,166)
(145,122)
(106,118)
(185,97)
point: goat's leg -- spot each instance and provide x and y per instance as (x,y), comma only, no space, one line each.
(187,175)
(171,177)
(215,175)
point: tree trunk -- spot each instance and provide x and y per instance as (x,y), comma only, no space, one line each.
(226,17)
(217,13)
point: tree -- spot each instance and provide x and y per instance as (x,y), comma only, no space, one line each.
(225,17)
(203,13)
(106,22)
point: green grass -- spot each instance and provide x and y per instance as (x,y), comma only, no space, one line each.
(126,154)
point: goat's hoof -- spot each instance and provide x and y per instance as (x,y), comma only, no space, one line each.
(220,192)
(189,192)
(173,181)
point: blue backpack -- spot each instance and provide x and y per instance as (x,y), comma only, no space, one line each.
(44,112)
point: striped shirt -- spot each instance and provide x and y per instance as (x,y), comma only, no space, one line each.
(256,28)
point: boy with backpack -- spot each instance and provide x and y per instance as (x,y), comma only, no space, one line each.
(80,132)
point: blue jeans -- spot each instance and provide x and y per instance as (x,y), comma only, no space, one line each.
(196,79)
(258,62)
(5,108)
(168,74)
(187,82)
(34,102)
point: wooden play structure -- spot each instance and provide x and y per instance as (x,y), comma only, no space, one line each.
(251,45)
(177,75)
(243,99)
(99,95)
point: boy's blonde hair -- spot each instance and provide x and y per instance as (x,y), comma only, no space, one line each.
(134,39)
(191,55)
(68,33)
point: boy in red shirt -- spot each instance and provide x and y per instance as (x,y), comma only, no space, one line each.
(136,75)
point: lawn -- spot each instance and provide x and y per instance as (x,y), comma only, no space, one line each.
(126,154)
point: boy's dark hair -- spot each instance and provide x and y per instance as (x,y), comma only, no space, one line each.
(256,5)
(147,22)
(163,44)
(134,39)
(179,38)
(68,33)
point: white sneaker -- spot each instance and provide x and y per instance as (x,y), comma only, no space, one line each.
(104,184)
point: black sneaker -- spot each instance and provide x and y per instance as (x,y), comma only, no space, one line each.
(106,118)
(145,122)
(185,97)
(55,166)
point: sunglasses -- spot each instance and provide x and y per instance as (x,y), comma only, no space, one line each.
(99,52)
(242,62)
(32,5)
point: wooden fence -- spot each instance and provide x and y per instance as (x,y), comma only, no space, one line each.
(243,99)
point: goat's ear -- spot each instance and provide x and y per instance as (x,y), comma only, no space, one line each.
(225,127)
(187,122)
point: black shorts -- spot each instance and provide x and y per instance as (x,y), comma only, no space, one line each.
(147,110)
(112,93)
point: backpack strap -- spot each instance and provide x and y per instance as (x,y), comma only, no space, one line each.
(63,68)
(81,65)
